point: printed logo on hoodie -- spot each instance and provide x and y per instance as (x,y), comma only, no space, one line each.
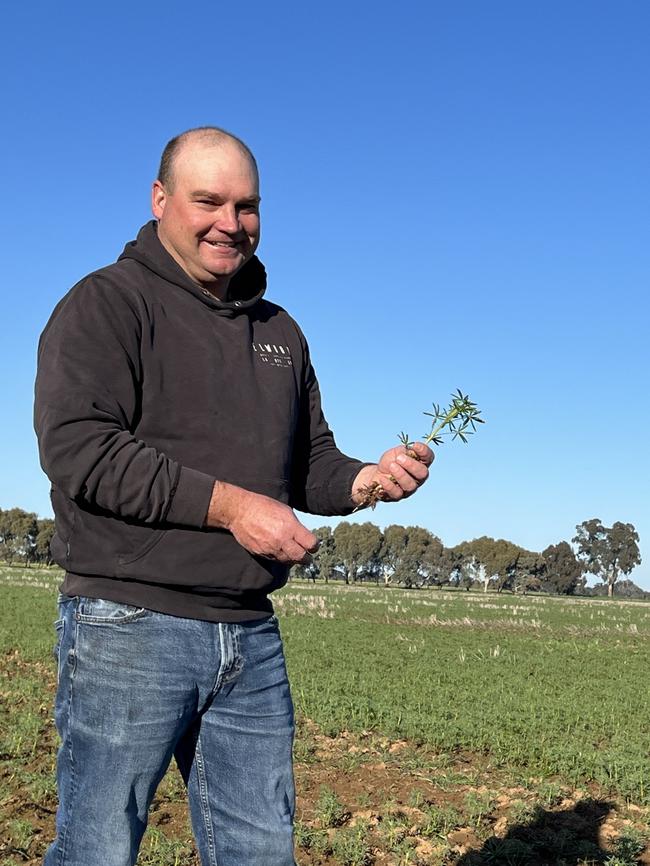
(274,354)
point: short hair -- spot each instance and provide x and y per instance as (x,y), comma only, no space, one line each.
(214,134)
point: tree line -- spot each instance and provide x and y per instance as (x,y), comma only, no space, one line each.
(412,556)
(24,537)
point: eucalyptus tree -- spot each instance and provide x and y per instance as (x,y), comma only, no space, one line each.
(481,560)
(18,531)
(607,552)
(460,567)
(44,535)
(563,573)
(357,547)
(527,571)
(392,551)
(411,556)
(325,558)
(493,561)
(424,557)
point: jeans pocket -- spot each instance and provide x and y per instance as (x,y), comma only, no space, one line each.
(101,610)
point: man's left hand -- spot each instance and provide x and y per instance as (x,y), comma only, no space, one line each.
(398,474)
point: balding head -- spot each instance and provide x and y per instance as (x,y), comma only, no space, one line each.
(206,136)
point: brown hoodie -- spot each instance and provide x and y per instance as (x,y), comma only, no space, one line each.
(149,389)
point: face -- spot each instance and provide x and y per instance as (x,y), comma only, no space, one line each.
(209,220)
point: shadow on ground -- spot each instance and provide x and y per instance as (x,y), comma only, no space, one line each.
(568,837)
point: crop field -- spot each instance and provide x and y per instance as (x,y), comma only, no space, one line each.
(435,728)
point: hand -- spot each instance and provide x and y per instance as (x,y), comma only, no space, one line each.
(263,526)
(398,474)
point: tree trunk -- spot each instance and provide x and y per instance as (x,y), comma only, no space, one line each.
(611,580)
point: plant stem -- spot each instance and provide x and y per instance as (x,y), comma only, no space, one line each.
(448,417)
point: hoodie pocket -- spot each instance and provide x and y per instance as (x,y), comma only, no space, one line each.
(155,537)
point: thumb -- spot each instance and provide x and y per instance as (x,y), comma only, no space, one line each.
(306,539)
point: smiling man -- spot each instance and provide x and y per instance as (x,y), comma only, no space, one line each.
(179,421)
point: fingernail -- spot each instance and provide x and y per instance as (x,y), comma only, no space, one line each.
(401,458)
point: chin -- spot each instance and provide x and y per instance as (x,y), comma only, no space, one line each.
(224,269)
(222,273)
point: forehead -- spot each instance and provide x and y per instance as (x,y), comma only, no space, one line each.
(210,165)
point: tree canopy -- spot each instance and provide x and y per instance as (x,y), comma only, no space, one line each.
(607,552)
(24,538)
(412,556)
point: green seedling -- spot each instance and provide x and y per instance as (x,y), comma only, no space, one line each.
(458,421)
(329,809)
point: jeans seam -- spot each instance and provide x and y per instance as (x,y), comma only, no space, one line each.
(205,801)
(59,626)
(238,660)
(231,663)
(223,658)
(111,620)
(64,840)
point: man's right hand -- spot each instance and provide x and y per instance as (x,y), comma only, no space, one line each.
(263,526)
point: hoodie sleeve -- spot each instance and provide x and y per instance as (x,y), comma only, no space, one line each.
(88,388)
(322,475)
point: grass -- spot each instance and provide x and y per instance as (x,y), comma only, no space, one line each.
(330,812)
(433,727)
(549,686)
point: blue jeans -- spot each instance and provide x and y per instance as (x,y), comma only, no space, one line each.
(135,688)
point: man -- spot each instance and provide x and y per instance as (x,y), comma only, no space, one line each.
(179,421)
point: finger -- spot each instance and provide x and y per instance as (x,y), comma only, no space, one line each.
(390,486)
(306,539)
(294,552)
(414,468)
(405,480)
(425,454)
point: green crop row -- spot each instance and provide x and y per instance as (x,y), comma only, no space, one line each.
(531,683)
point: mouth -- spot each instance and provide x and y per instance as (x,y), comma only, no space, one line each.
(226,249)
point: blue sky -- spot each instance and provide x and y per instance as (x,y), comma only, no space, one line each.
(455,195)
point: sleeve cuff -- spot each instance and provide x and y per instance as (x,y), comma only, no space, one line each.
(191,498)
(334,497)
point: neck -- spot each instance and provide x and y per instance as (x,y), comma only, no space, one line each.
(219,293)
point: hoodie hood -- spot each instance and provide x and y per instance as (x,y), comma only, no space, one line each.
(246,288)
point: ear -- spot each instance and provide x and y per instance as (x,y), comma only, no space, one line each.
(158,199)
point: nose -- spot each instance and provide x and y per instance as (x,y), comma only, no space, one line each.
(227,219)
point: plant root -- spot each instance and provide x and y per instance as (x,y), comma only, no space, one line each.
(373,493)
